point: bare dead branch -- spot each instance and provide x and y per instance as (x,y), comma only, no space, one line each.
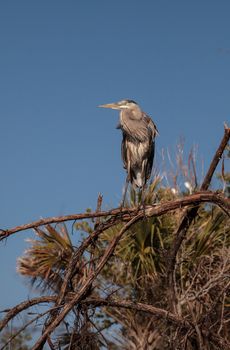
(98,302)
(24,327)
(58,219)
(125,214)
(95,302)
(23,306)
(216,159)
(158,312)
(99,204)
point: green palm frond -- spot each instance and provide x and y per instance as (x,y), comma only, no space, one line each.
(48,256)
(210,231)
(141,250)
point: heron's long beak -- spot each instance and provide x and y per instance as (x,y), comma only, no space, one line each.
(111,105)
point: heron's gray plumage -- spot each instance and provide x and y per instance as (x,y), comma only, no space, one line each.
(138,146)
(138,143)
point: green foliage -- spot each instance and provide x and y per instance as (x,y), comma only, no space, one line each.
(47,258)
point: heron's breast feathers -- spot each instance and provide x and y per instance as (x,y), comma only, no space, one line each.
(136,151)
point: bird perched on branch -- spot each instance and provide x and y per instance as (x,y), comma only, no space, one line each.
(138,143)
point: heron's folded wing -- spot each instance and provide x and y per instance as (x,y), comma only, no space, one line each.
(150,156)
(135,128)
(152,125)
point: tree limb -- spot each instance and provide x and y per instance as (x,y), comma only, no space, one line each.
(125,214)
(23,306)
(23,328)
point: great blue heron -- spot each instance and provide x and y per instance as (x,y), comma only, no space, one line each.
(138,144)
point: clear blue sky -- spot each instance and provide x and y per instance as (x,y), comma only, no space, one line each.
(59,60)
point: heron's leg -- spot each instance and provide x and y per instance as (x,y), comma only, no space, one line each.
(143,193)
(125,191)
(143,189)
(139,198)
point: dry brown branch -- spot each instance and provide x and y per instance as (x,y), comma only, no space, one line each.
(126,214)
(57,219)
(95,302)
(158,312)
(99,204)
(217,157)
(24,327)
(11,313)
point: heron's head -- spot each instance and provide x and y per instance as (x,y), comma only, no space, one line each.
(123,104)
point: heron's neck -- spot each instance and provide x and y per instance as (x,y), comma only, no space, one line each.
(131,114)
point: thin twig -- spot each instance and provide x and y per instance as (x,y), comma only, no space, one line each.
(99,204)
